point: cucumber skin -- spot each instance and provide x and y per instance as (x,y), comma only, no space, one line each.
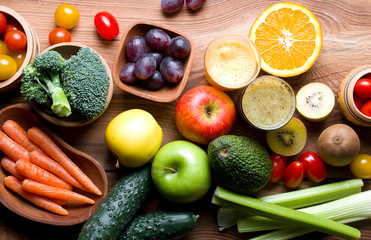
(118,207)
(159,225)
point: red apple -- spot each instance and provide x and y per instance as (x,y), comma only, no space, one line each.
(204,113)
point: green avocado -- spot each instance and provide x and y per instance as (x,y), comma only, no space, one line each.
(240,163)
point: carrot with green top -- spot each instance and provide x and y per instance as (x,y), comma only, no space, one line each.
(11,148)
(36,173)
(9,164)
(52,166)
(14,184)
(49,146)
(53,192)
(19,135)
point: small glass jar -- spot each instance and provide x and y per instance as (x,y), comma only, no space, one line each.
(267,103)
(346,97)
(231,62)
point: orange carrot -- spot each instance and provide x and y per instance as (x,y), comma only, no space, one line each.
(36,173)
(49,146)
(53,192)
(19,135)
(11,148)
(15,185)
(59,201)
(9,164)
(52,166)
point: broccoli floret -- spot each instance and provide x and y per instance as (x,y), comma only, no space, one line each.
(86,82)
(41,83)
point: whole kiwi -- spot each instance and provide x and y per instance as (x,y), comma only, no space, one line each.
(338,145)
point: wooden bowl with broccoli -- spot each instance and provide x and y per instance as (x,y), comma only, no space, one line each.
(69,84)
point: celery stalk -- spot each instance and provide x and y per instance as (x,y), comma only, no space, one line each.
(314,195)
(296,199)
(288,233)
(354,206)
(288,215)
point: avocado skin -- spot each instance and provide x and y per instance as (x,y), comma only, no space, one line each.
(240,163)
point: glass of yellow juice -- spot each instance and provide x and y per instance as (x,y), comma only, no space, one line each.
(267,103)
(231,61)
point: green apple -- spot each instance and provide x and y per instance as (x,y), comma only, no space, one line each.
(181,172)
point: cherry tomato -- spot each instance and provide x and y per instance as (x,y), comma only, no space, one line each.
(314,168)
(278,165)
(8,67)
(59,35)
(294,174)
(18,57)
(368,75)
(66,16)
(15,40)
(363,88)
(3,48)
(366,108)
(359,101)
(13,26)
(361,166)
(106,25)
(3,22)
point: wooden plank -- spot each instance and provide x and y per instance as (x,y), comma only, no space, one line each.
(347,44)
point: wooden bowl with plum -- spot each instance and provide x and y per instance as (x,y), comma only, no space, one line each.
(153,61)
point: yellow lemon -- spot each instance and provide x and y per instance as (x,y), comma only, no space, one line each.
(134,136)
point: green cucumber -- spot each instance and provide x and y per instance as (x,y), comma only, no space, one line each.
(118,207)
(159,225)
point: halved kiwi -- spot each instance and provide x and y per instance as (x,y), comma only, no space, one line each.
(315,101)
(288,140)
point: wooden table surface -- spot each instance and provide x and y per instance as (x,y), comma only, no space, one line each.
(346,29)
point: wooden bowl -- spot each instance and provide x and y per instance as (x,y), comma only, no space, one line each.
(166,93)
(77,213)
(33,48)
(74,120)
(345,97)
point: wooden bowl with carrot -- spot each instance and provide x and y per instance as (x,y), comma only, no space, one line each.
(35,162)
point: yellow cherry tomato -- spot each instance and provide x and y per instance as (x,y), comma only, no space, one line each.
(18,57)
(3,48)
(66,16)
(8,67)
(361,166)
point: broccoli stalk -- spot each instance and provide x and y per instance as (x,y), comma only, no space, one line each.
(60,105)
(41,83)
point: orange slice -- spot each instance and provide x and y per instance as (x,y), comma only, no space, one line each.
(289,38)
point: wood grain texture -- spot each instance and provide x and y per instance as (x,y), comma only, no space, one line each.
(346,29)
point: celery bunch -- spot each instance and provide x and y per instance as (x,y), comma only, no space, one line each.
(295,199)
(297,222)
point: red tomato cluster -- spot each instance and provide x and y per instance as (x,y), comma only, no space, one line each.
(309,164)
(66,17)
(362,94)
(13,43)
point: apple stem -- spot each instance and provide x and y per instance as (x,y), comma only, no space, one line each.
(208,111)
(171,169)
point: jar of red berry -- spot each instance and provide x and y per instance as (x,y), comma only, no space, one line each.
(354,96)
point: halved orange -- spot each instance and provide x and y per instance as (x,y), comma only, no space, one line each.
(289,38)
